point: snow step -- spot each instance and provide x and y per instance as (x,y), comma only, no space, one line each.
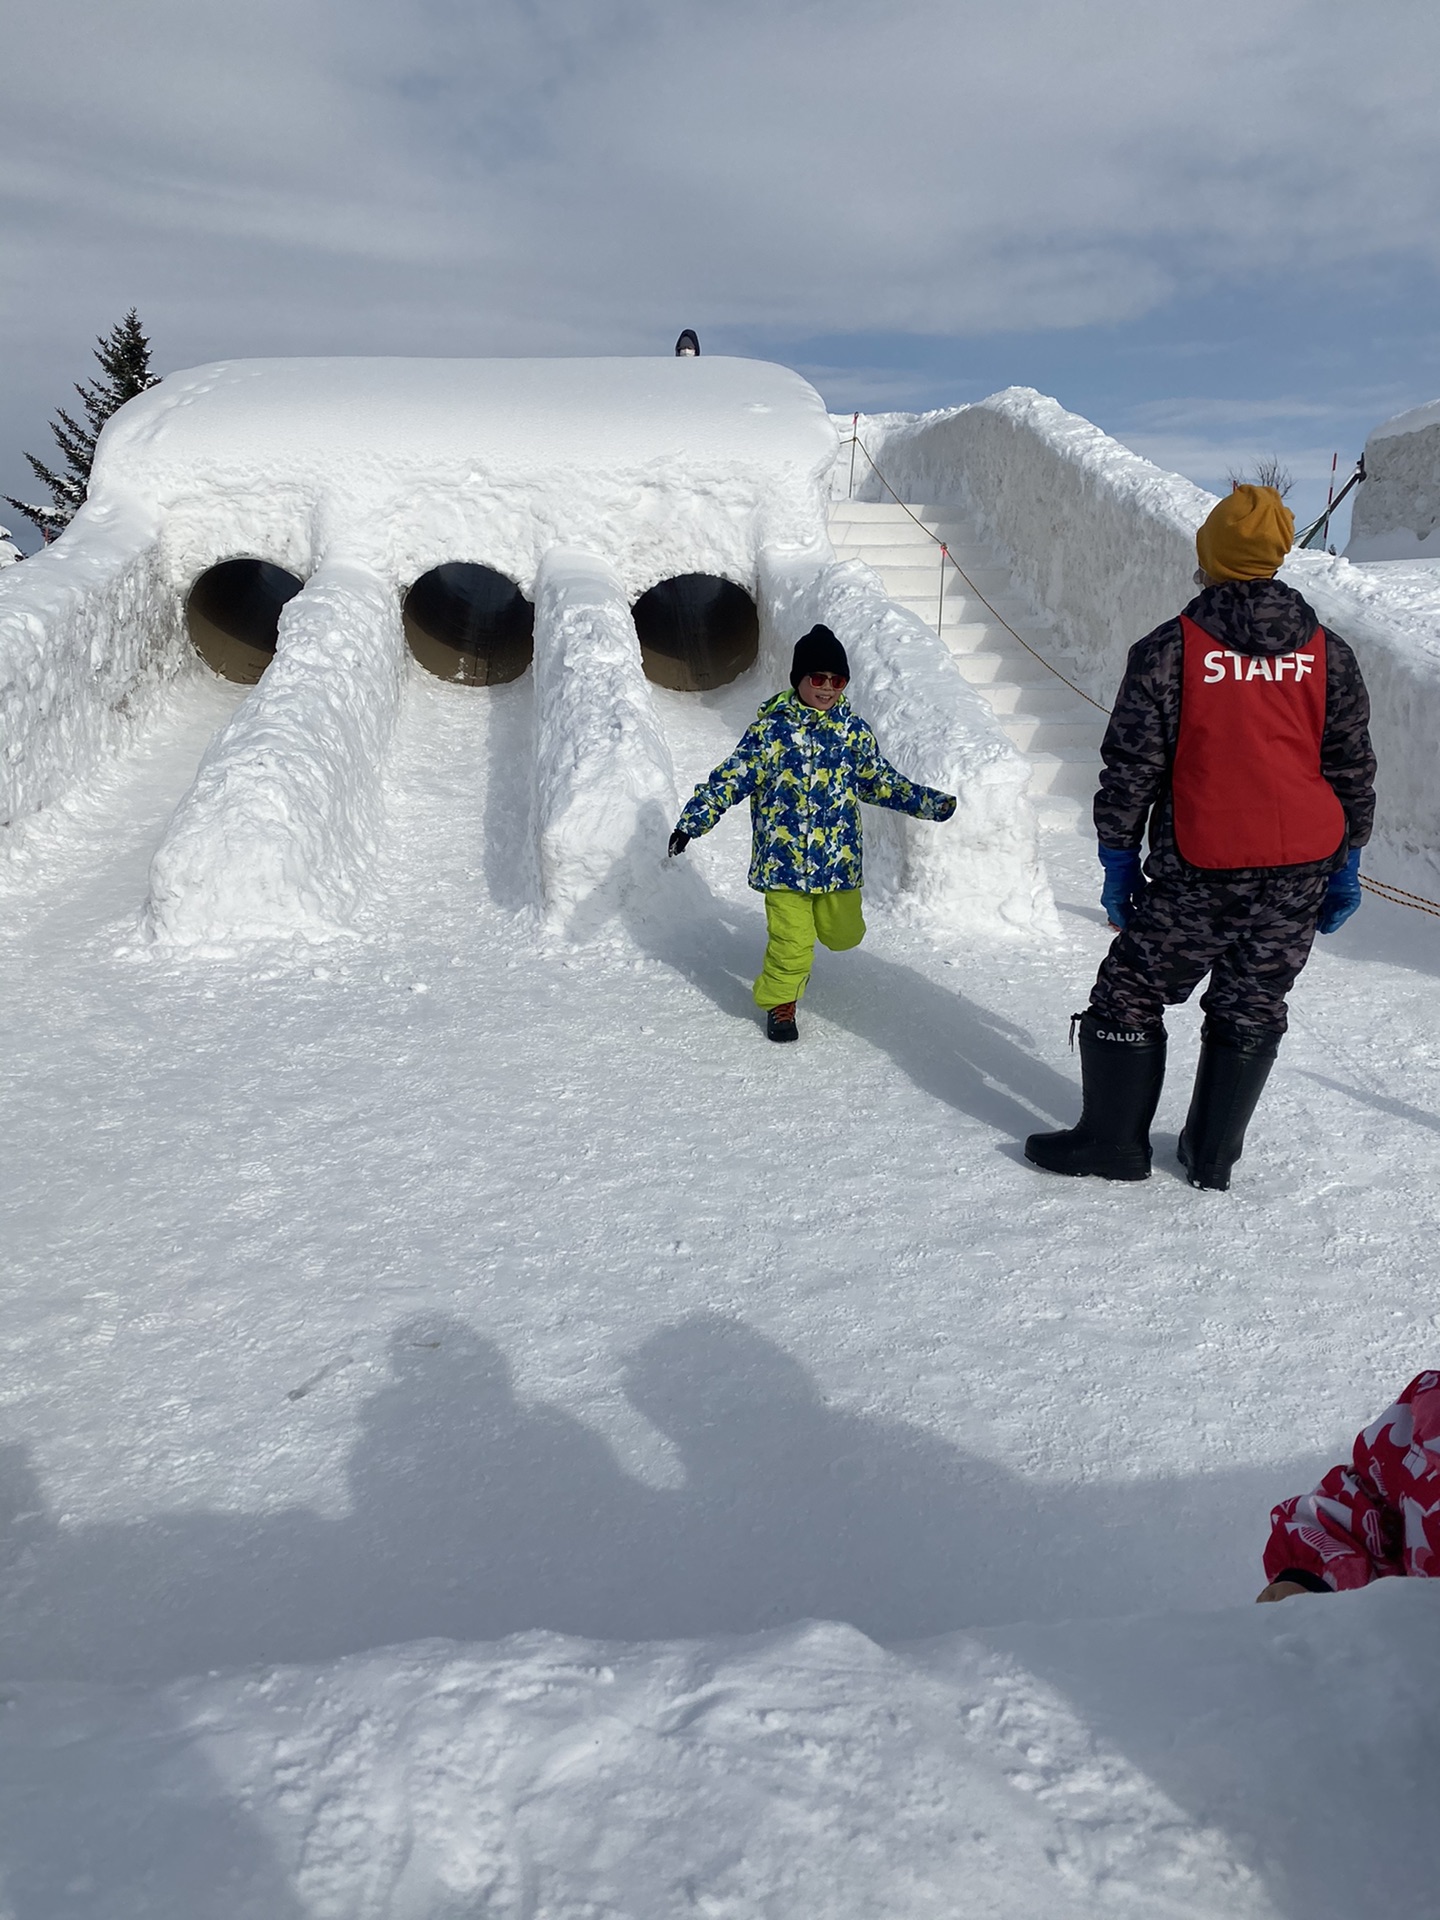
(1056,729)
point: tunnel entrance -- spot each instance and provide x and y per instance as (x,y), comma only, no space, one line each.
(233,612)
(696,632)
(470,624)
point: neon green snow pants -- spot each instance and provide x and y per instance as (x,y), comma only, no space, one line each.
(795,921)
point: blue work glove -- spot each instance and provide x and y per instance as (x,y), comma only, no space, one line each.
(1342,896)
(1124,886)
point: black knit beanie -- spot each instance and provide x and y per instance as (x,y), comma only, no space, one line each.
(818,651)
(689,342)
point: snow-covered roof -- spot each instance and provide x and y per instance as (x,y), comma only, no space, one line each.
(661,465)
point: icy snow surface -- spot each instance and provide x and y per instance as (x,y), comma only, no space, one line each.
(450,1283)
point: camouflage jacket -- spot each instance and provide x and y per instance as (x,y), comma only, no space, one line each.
(1249,617)
(805,773)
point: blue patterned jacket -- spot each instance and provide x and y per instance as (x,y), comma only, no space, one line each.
(806,773)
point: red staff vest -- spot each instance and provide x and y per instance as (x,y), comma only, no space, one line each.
(1247,785)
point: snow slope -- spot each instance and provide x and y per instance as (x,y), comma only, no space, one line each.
(454,1283)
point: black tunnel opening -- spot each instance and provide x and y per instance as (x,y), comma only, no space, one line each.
(470,624)
(233,612)
(696,632)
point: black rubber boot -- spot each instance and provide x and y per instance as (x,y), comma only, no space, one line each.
(1229,1080)
(780,1023)
(1121,1073)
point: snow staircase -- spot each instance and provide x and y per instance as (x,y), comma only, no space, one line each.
(1057,729)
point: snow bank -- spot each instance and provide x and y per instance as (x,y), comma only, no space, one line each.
(9,552)
(980,869)
(279,830)
(90,632)
(805,1771)
(1397,511)
(605,795)
(1104,541)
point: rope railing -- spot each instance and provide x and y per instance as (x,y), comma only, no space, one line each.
(1382,889)
(945,554)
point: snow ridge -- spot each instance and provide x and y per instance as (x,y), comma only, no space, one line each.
(280,829)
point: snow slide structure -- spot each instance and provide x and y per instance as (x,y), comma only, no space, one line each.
(302,524)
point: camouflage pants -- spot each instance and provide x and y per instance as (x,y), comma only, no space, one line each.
(1251,936)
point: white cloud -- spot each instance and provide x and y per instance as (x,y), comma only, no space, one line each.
(928,166)
(557,175)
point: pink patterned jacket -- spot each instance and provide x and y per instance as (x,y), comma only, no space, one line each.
(1377,1517)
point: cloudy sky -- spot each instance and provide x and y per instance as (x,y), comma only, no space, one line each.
(1214,228)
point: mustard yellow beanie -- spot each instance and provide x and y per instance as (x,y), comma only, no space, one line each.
(1247,536)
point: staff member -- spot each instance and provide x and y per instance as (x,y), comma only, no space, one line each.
(1240,737)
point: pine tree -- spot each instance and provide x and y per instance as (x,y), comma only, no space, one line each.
(124,356)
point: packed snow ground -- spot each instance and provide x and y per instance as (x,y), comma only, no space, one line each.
(458,1281)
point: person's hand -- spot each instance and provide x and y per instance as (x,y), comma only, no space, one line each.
(1124,886)
(678,843)
(1342,896)
(1280,1590)
(946,809)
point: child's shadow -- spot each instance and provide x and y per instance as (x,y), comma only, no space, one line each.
(961,1052)
(964,1054)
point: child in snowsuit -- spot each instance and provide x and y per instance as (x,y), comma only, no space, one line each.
(1374,1519)
(806,764)
(1240,742)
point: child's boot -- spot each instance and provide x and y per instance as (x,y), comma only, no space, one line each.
(780,1022)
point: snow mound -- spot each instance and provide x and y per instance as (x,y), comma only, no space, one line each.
(284,818)
(806,1771)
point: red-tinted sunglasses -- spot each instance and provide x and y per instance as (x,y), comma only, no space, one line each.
(836,680)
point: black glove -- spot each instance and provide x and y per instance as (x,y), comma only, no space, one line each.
(678,842)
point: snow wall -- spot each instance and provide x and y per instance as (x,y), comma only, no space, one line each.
(91,631)
(1397,511)
(1104,543)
